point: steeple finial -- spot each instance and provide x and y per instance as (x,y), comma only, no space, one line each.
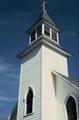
(43,6)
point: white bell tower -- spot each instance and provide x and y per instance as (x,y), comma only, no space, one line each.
(37,85)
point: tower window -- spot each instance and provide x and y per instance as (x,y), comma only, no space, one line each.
(47,30)
(33,36)
(54,35)
(39,31)
(29,101)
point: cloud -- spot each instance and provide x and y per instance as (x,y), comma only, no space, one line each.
(1,104)
(71,33)
(13,17)
(9,78)
(4,66)
(9,73)
(15,76)
(8,69)
(7,99)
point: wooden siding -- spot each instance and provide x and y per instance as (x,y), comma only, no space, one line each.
(30,77)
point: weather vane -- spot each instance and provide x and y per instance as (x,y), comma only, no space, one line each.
(43,6)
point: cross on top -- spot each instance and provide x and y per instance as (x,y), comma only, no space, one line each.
(43,6)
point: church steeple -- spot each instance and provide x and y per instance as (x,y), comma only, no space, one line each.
(39,96)
(44,27)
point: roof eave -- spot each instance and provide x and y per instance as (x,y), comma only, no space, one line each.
(41,21)
(44,41)
(65,78)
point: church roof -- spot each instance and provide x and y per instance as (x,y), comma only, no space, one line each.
(14,112)
(70,80)
(44,16)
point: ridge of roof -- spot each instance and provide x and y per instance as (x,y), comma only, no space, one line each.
(69,79)
(45,16)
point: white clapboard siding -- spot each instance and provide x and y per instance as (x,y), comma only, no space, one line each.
(30,77)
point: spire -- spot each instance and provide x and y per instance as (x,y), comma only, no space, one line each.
(43,6)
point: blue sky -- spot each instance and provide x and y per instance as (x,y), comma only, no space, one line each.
(15,17)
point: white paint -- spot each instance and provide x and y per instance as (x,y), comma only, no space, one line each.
(50,33)
(56,62)
(50,95)
(36,34)
(42,28)
(29,39)
(66,90)
(30,77)
(58,37)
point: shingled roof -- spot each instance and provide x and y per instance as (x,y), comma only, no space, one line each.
(14,113)
(45,17)
(71,80)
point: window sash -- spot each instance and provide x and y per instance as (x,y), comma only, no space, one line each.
(47,30)
(39,31)
(33,36)
(54,35)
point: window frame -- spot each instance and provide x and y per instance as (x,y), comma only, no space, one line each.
(71,107)
(38,35)
(25,103)
(54,35)
(29,101)
(47,30)
(33,37)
